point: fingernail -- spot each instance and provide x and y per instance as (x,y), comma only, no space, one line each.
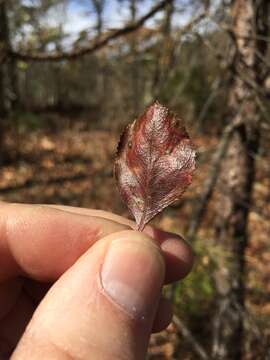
(133,274)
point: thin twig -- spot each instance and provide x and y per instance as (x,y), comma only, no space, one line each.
(215,89)
(186,333)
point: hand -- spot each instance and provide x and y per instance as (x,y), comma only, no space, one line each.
(79,284)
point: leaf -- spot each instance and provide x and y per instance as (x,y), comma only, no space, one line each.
(154,164)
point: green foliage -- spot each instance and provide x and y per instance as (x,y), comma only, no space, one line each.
(195,294)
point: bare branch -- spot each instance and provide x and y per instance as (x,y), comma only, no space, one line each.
(186,333)
(96,45)
(230,31)
(215,89)
(210,182)
(228,64)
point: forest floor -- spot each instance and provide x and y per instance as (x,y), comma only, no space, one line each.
(74,167)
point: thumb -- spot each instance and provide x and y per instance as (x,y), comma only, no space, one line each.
(103,307)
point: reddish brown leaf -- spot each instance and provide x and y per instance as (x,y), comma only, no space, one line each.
(154,164)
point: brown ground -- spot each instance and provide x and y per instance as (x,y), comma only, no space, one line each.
(75,168)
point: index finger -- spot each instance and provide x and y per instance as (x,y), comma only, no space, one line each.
(43,242)
(178,255)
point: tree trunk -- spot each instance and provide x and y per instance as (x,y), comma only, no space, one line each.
(101,78)
(2,93)
(2,112)
(14,98)
(3,51)
(237,175)
(99,8)
(164,56)
(134,66)
(8,65)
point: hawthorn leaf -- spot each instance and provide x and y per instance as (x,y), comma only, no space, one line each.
(154,163)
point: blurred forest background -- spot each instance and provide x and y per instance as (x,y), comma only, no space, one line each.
(74,73)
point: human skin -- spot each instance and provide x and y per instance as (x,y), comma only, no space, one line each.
(82,284)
